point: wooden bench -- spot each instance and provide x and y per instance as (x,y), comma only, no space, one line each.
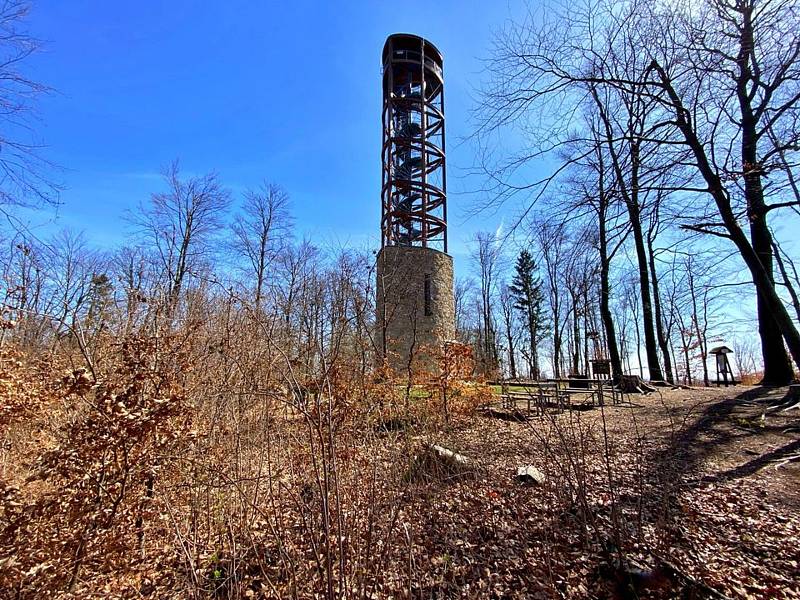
(535,396)
(592,395)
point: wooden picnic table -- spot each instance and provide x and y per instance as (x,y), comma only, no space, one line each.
(557,392)
(597,388)
(585,381)
(535,395)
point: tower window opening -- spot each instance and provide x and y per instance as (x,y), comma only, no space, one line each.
(428,300)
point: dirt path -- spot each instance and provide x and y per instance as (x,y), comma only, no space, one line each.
(687,492)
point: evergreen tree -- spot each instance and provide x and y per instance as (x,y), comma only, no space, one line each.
(526,288)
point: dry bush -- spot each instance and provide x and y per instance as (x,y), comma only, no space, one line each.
(452,388)
(751,378)
(24,387)
(79,520)
(225,459)
(224,451)
(287,489)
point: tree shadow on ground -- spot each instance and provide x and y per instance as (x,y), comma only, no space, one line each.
(776,456)
(719,431)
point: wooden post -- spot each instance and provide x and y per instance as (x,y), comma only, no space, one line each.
(600,399)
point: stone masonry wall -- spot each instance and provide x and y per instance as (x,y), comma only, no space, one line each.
(401,319)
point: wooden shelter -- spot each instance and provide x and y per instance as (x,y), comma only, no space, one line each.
(724,371)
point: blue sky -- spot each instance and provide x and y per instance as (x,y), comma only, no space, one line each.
(288,92)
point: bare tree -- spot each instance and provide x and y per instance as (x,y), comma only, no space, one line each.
(509,325)
(743,60)
(260,231)
(655,224)
(699,305)
(486,255)
(599,193)
(589,201)
(552,243)
(296,270)
(135,280)
(718,79)
(71,267)
(627,152)
(24,174)
(180,223)
(25,276)
(463,290)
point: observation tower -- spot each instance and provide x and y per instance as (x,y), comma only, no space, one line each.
(415,304)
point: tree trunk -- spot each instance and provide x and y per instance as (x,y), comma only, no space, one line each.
(576,336)
(688,363)
(534,339)
(605,311)
(557,326)
(509,337)
(674,358)
(261,270)
(663,342)
(777,368)
(644,282)
(586,329)
(638,343)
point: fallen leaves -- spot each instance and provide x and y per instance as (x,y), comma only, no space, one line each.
(255,504)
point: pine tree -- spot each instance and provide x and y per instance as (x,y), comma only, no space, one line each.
(526,289)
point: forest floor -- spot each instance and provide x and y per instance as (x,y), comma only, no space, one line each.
(687,493)
(679,493)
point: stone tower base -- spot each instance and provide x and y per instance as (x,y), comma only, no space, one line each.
(415,306)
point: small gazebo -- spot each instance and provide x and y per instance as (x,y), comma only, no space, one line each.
(724,371)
